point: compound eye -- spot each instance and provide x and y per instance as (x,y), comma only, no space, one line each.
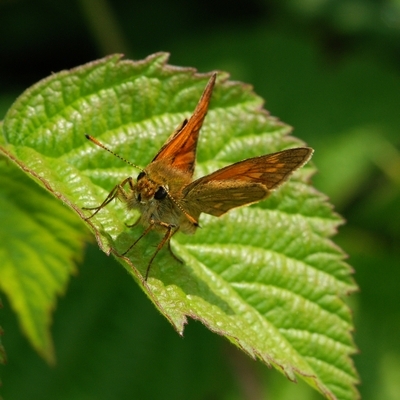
(141,175)
(160,194)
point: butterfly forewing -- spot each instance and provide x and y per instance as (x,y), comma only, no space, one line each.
(180,149)
(242,183)
(218,197)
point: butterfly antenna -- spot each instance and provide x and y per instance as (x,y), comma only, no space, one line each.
(95,141)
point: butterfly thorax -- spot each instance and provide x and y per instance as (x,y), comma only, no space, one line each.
(157,194)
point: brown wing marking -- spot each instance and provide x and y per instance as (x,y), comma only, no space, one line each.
(216,198)
(245,182)
(180,148)
(270,170)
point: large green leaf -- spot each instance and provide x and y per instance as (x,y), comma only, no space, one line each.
(267,276)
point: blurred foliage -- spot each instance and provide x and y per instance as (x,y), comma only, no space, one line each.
(331,69)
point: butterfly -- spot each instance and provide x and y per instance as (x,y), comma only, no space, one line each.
(169,200)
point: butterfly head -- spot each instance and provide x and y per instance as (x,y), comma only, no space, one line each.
(156,194)
(146,190)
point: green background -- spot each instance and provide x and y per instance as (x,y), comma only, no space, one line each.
(328,68)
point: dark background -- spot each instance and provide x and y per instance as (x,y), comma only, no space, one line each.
(329,68)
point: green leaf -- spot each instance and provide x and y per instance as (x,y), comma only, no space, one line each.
(39,241)
(267,277)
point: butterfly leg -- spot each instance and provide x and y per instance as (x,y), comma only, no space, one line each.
(132,225)
(170,250)
(117,192)
(145,232)
(171,230)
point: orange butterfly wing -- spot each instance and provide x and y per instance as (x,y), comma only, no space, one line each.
(180,148)
(242,183)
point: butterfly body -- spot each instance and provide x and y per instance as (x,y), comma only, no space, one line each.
(156,195)
(169,200)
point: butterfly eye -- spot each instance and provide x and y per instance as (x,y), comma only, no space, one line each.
(160,194)
(141,175)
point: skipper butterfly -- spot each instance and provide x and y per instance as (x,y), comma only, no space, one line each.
(167,198)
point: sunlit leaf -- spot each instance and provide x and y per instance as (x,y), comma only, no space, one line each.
(267,277)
